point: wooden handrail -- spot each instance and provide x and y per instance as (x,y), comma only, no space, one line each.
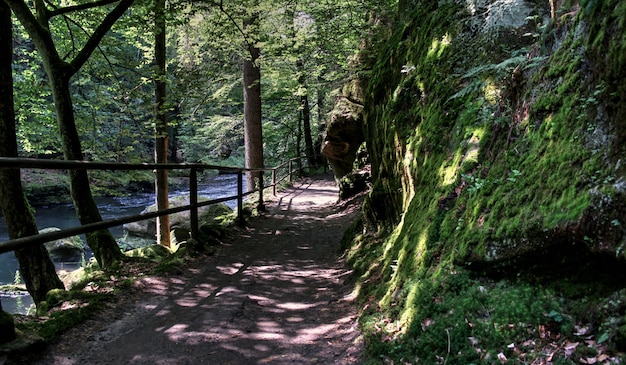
(8,162)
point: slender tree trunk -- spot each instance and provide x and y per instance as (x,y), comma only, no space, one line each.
(37,269)
(321,123)
(253,130)
(306,113)
(102,242)
(161,133)
(299,135)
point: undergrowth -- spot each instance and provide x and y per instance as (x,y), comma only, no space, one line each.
(457,319)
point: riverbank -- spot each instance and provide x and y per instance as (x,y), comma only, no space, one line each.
(50,212)
(52,187)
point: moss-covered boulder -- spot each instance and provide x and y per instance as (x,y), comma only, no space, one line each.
(152,252)
(211,214)
(343,136)
(70,248)
(354,183)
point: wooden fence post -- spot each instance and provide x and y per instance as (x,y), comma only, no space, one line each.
(240,219)
(193,201)
(261,206)
(274,181)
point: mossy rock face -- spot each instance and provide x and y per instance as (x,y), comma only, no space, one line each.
(498,154)
(7,327)
(343,136)
(495,132)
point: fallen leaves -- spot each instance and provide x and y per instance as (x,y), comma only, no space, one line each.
(548,345)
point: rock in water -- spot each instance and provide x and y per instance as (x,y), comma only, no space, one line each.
(206,215)
(64,248)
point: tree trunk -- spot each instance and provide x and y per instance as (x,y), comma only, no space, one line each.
(306,113)
(161,132)
(321,123)
(102,242)
(37,269)
(253,131)
(299,136)
(59,72)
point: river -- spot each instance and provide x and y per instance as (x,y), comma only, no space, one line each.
(64,216)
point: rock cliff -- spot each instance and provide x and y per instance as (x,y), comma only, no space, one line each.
(495,131)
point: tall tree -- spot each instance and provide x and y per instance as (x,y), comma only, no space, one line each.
(295,50)
(37,269)
(252,113)
(59,73)
(161,132)
(301,22)
(305,112)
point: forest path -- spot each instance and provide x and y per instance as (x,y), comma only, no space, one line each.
(277,292)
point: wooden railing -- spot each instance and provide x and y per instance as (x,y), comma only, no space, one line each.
(194,168)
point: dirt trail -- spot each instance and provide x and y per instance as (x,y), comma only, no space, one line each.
(276,293)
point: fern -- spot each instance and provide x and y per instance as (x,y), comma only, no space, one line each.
(495,68)
(468,89)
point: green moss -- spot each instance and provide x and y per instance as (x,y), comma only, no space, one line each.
(464,314)
(463,162)
(78,306)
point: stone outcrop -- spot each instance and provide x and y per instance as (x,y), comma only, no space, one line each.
(510,151)
(496,135)
(7,327)
(343,136)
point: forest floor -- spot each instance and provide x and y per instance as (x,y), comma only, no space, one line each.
(276,292)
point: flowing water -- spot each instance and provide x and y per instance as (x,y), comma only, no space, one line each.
(64,216)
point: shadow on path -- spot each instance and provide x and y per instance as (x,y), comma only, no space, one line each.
(276,293)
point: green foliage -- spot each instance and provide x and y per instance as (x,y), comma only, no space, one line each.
(214,140)
(37,131)
(113,92)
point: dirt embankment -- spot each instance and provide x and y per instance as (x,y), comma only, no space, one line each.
(277,292)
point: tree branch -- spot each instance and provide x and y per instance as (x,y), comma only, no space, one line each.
(69,9)
(38,32)
(100,32)
(230,17)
